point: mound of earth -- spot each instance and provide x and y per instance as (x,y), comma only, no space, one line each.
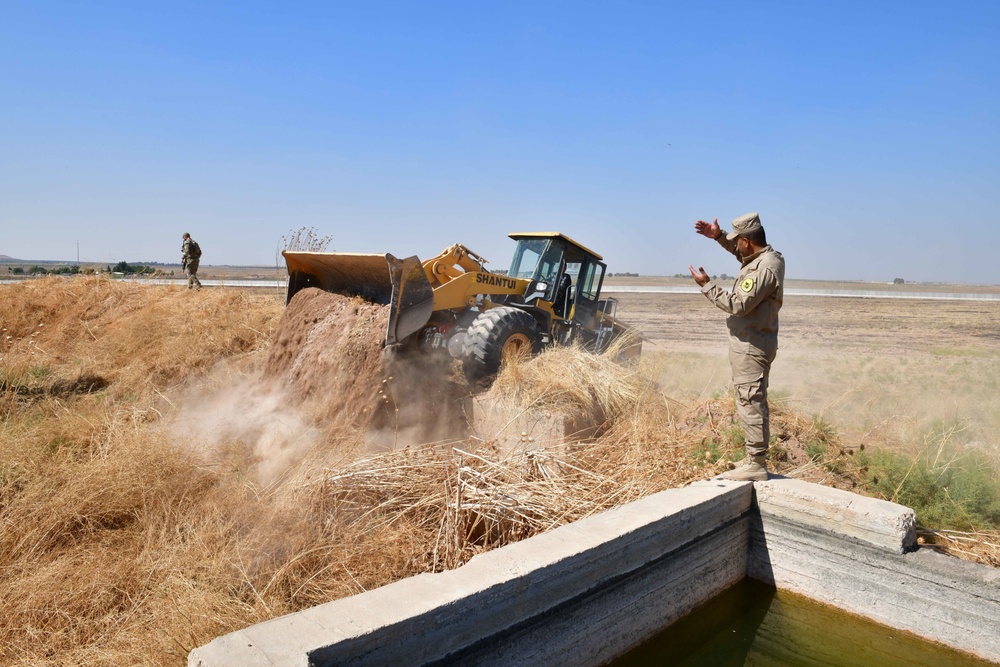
(327,352)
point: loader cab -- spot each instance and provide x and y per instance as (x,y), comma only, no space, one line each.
(566,276)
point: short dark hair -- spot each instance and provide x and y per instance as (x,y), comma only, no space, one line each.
(756,237)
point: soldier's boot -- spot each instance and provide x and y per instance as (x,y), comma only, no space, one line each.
(751,469)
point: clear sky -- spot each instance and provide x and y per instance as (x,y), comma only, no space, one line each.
(867,134)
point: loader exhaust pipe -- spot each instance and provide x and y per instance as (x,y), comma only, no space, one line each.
(400,284)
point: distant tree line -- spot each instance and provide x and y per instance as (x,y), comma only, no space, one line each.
(624,275)
(120,267)
(126,268)
(41,270)
(721,276)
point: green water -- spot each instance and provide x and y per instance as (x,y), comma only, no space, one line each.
(752,624)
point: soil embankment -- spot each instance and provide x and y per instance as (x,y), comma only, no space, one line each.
(328,353)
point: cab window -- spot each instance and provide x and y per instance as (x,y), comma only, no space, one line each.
(590,281)
(573,271)
(548,267)
(526,257)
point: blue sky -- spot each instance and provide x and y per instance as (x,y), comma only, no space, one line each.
(867,134)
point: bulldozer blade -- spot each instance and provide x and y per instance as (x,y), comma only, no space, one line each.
(412,299)
(400,284)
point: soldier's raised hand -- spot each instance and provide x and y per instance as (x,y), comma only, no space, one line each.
(700,276)
(709,229)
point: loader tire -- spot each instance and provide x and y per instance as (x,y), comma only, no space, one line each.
(495,333)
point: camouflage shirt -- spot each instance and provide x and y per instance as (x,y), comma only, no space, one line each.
(754,301)
(186,251)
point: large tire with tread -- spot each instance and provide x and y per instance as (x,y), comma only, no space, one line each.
(495,333)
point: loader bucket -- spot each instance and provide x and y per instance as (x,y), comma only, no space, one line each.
(400,284)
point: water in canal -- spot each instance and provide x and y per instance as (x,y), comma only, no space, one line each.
(752,624)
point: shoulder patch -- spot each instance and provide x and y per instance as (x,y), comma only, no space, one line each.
(747,285)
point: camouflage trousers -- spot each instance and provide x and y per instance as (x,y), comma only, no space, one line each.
(750,373)
(191,271)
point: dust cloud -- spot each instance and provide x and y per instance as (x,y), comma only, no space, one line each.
(326,390)
(235,420)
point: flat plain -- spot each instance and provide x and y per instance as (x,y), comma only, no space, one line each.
(886,369)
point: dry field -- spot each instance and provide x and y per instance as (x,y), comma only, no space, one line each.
(165,477)
(798,283)
(875,368)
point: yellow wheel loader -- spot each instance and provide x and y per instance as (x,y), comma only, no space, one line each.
(550,296)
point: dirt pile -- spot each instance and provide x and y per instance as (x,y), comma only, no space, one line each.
(327,354)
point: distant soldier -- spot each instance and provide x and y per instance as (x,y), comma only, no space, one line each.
(753,306)
(190,254)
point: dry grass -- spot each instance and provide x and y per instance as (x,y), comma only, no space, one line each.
(58,330)
(122,544)
(107,530)
(982,546)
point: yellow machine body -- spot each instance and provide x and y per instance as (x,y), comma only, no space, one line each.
(442,295)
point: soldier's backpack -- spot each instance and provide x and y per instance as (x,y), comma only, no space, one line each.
(194,250)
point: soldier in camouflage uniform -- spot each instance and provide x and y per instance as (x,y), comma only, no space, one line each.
(753,306)
(190,255)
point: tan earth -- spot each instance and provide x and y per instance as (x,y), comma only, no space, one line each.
(327,351)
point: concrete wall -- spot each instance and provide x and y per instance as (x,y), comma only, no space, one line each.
(587,592)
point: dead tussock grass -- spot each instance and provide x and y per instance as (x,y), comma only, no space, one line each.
(981,546)
(465,502)
(75,550)
(132,338)
(141,555)
(572,381)
(117,545)
(106,529)
(461,502)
